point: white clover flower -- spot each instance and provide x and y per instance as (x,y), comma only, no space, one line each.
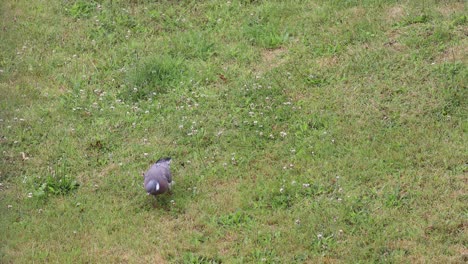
(283,134)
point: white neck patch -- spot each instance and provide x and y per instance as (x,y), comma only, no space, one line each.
(157,186)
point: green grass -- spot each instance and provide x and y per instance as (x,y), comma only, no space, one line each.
(301,131)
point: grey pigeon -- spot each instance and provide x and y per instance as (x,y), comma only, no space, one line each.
(158,178)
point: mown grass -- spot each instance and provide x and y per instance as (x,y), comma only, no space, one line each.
(302,131)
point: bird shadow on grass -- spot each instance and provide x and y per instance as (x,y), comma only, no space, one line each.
(161,203)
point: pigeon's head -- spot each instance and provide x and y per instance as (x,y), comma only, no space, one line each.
(152,187)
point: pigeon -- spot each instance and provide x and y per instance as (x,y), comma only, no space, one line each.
(158,178)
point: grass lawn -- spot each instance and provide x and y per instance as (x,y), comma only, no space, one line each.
(319,131)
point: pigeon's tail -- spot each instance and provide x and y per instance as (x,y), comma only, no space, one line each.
(164,160)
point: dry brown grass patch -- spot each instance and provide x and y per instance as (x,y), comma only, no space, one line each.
(271,58)
(395,13)
(325,62)
(124,255)
(451,8)
(457,53)
(358,11)
(393,43)
(225,243)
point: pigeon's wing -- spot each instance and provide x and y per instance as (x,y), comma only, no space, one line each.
(165,165)
(161,173)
